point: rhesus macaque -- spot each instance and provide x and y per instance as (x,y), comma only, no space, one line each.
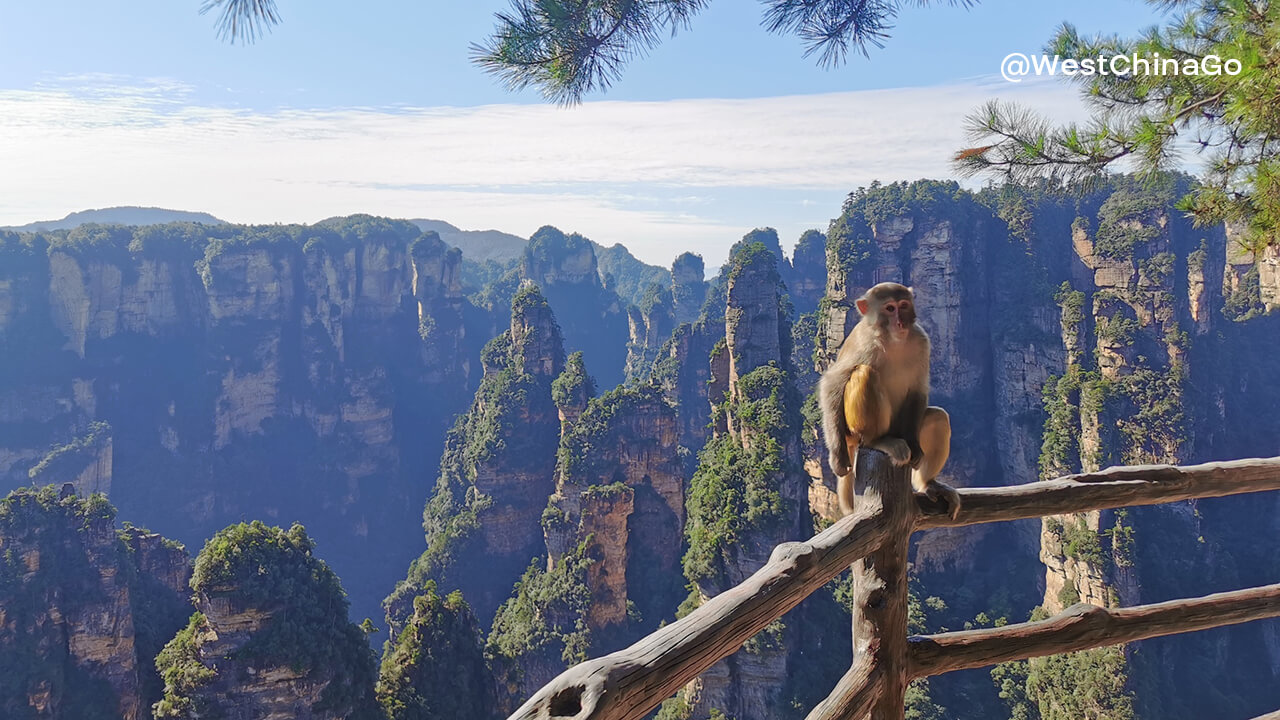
(876,394)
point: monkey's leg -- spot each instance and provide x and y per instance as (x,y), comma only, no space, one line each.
(866,407)
(844,483)
(935,442)
(867,414)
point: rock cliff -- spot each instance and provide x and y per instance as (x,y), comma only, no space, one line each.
(1148,335)
(162,365)
(808,284)
(270,638)
(688,286)
(592,317)
(82,608)
(498,469)
(1073,334)
(749,485)
(651,323)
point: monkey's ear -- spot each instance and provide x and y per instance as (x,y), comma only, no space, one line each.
(863,305)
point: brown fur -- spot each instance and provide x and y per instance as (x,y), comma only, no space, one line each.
(876,393)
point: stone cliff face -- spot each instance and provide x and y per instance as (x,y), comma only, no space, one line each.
(270,639)
(519,483)
(592,317)
(650,324)
(1148,334)
(683,370)
(612,531)
(74,626)
(1073,335)
(761,480)
(498,468)
(245,690)
(942,251)
(171,367)
(172,345)
(688,286)
(808,283)
(627,440)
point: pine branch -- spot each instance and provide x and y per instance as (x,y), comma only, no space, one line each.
(243,20)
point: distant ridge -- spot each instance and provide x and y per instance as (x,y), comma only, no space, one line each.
(630,275)
(127,215)
(477,245)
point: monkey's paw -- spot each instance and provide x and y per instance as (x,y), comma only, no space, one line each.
(940,491)
(838,465)
(896,448)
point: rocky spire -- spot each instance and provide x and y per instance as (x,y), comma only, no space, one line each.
(688,286)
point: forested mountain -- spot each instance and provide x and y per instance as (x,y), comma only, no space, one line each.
(119,216)
(544,460)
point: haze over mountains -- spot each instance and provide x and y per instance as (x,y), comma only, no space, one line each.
(124,215)
(478,246)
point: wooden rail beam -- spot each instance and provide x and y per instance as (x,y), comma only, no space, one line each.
(627,684)
(1111,488)
(876,684)
(1081,627)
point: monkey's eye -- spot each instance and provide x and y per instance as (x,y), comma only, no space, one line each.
(891,308)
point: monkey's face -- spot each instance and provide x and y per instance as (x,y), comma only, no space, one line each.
(890,307)
(897,315)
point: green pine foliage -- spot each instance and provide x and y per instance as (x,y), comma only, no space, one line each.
(22,255)
(735,489)
(184,675)
(65,461)
(273,571)
(435,669)
(580,455)
(1090,684)
(1146,118)
(1010,679)
(1129,218)
(1245,301)
(851,244)
(574,383)
(1083,544)
(546,615)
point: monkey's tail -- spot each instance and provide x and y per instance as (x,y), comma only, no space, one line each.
(834,427)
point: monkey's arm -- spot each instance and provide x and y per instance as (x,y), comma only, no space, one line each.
(912,414)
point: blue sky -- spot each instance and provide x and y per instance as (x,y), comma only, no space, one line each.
(719,130)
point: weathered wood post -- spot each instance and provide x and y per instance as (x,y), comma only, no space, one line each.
(875,686)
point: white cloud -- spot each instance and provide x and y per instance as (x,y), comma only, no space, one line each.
(660,177)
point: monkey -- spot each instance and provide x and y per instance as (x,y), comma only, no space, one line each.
(876,394)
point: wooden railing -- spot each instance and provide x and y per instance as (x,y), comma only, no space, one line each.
(628,684)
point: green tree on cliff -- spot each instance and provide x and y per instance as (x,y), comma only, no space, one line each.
(435,669)
(273,572)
